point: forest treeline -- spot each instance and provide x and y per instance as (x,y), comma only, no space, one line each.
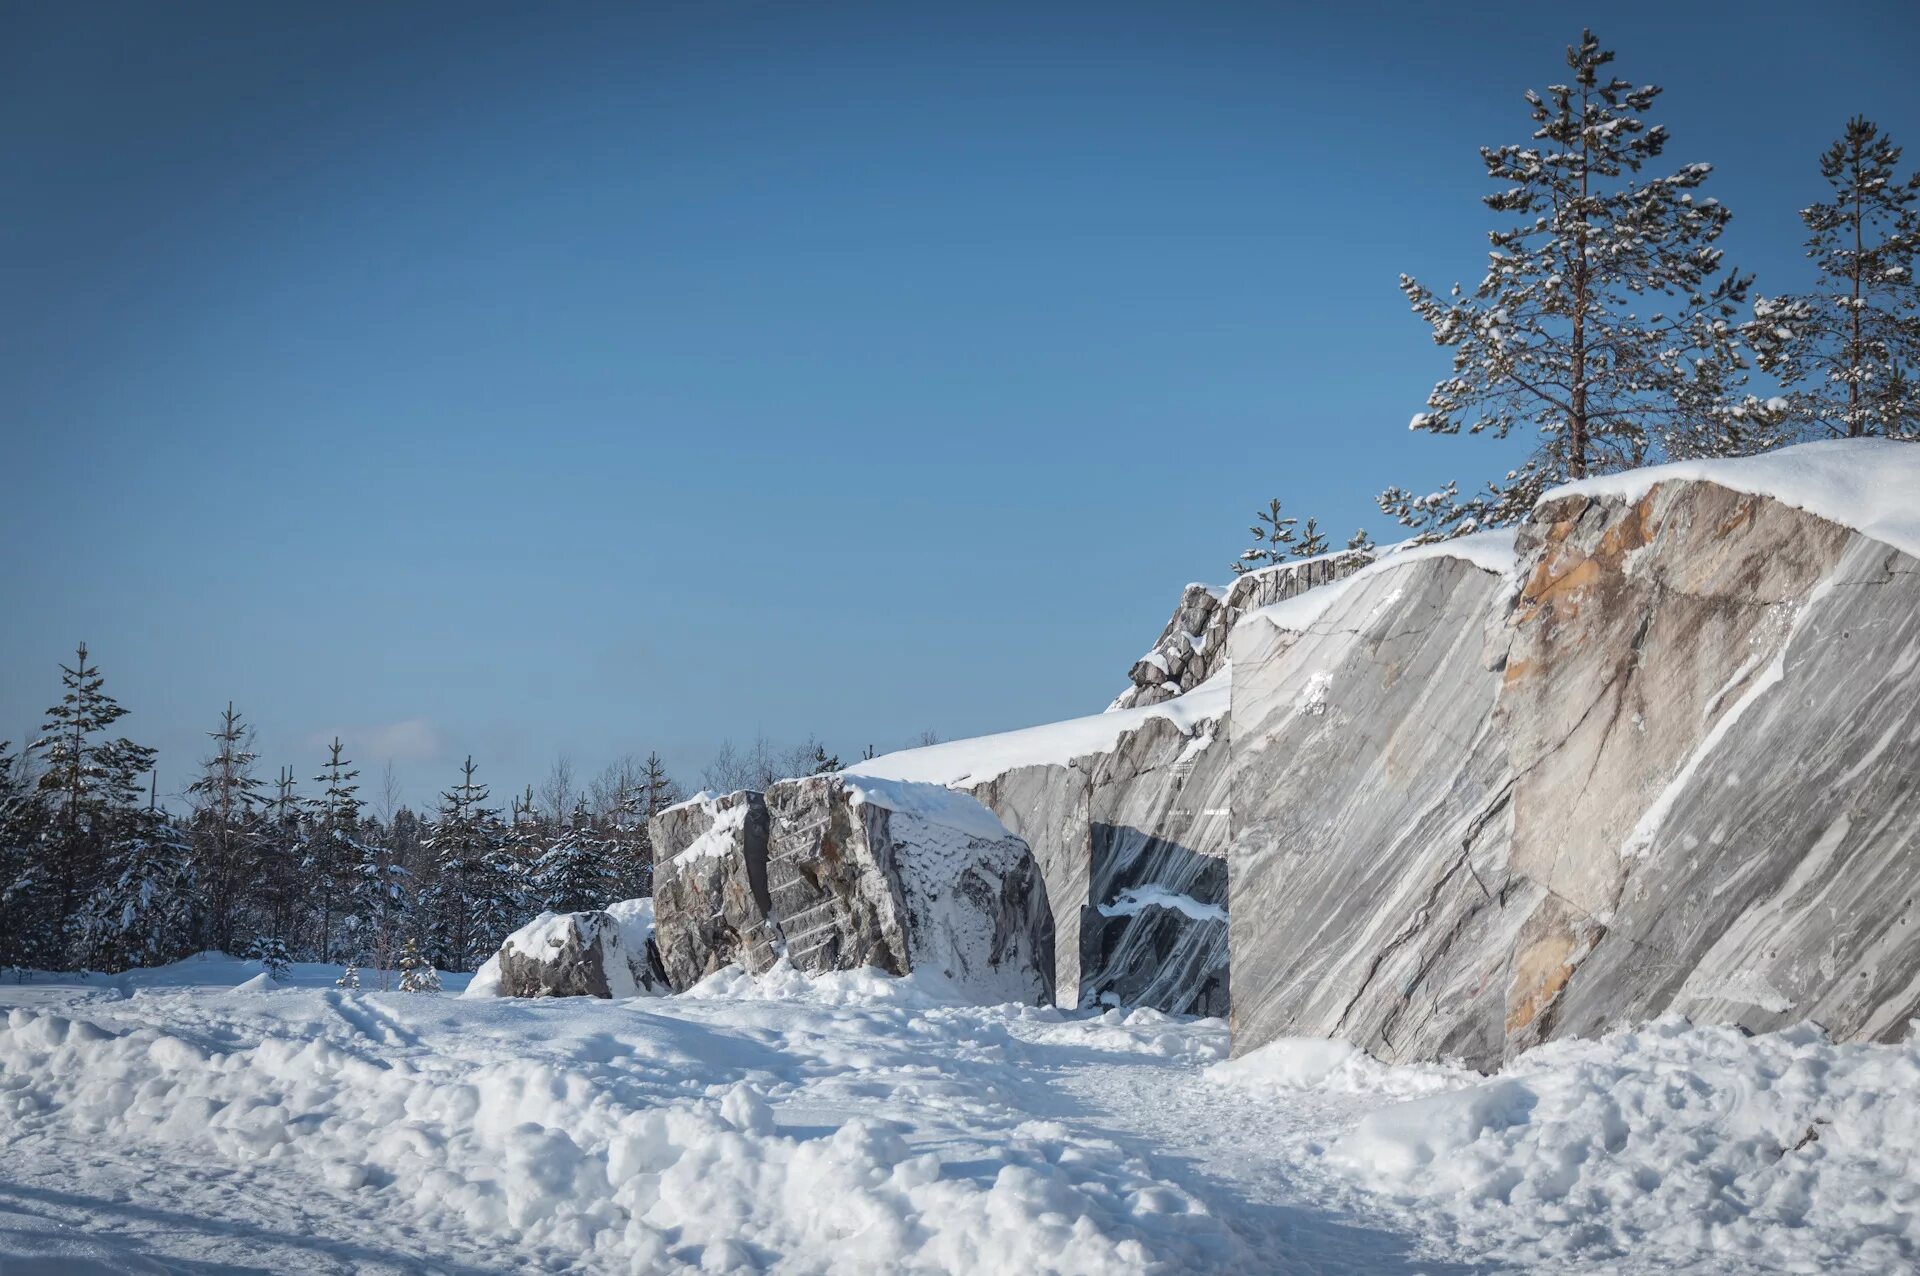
(97,873)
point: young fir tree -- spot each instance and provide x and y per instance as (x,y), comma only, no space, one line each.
(576,872)
(330,853)
(142,913)
(90,786)
(1273,539)
(226,826)
(1605,319)
(1846,352)
(416,972)
(1312,542)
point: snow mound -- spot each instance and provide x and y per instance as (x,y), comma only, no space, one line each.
(1870,485)
(1317,1063)
(966,763)
(541,1156)
(1702,1145)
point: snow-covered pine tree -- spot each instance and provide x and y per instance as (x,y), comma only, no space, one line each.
(21,887)
(271,952)
(1360,542)
(349,980)
(468,901)
(330,852)
(417,974)
(577,871)
(226,825)
(1606,316)
(276,897)
(1312,542)
(142,913)
(376,902)
(1273,538)
(89,785)
(1844,351)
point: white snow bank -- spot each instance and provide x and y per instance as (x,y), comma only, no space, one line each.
(983,758)
(1490,551)
(1871,485)
(555,1161)
(1140,898)
(930,802)
(1309,1063)
(1780,1151)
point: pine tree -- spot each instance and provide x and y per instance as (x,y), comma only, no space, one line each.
(416,972)
(21,887)
(276,893)
(271,952)
(349,978)
(1312,542)
(1360,542)
(1845,351)
(1273,539)
(142,914)
(576,872)
(1605,319)
(471,897)
(226,825)
(90,785)
(331,854)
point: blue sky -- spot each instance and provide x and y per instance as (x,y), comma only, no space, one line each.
(518,379)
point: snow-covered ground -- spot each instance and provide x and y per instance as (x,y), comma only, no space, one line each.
(172,1121)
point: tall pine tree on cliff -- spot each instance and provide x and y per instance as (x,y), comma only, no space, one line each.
(1605,322)
(1847,352)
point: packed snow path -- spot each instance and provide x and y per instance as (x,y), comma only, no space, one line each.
(856,1123)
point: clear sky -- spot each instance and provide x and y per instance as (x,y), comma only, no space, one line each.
(596,378)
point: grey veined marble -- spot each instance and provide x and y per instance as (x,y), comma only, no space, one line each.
(1368,869)
(1674,767)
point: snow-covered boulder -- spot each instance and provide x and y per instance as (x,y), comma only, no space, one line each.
(867,872)
(604,953)
(710,887)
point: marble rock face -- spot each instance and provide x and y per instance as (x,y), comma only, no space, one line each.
(1193,646)
(1369,799)
(1712,701)
(576,955)
(907,877)
(1674,767)
(711,904)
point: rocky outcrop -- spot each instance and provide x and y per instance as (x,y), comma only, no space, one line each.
(1672,765)
(604,953)
(711,904)
(1126,815)
(835,874)
(1193,646)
